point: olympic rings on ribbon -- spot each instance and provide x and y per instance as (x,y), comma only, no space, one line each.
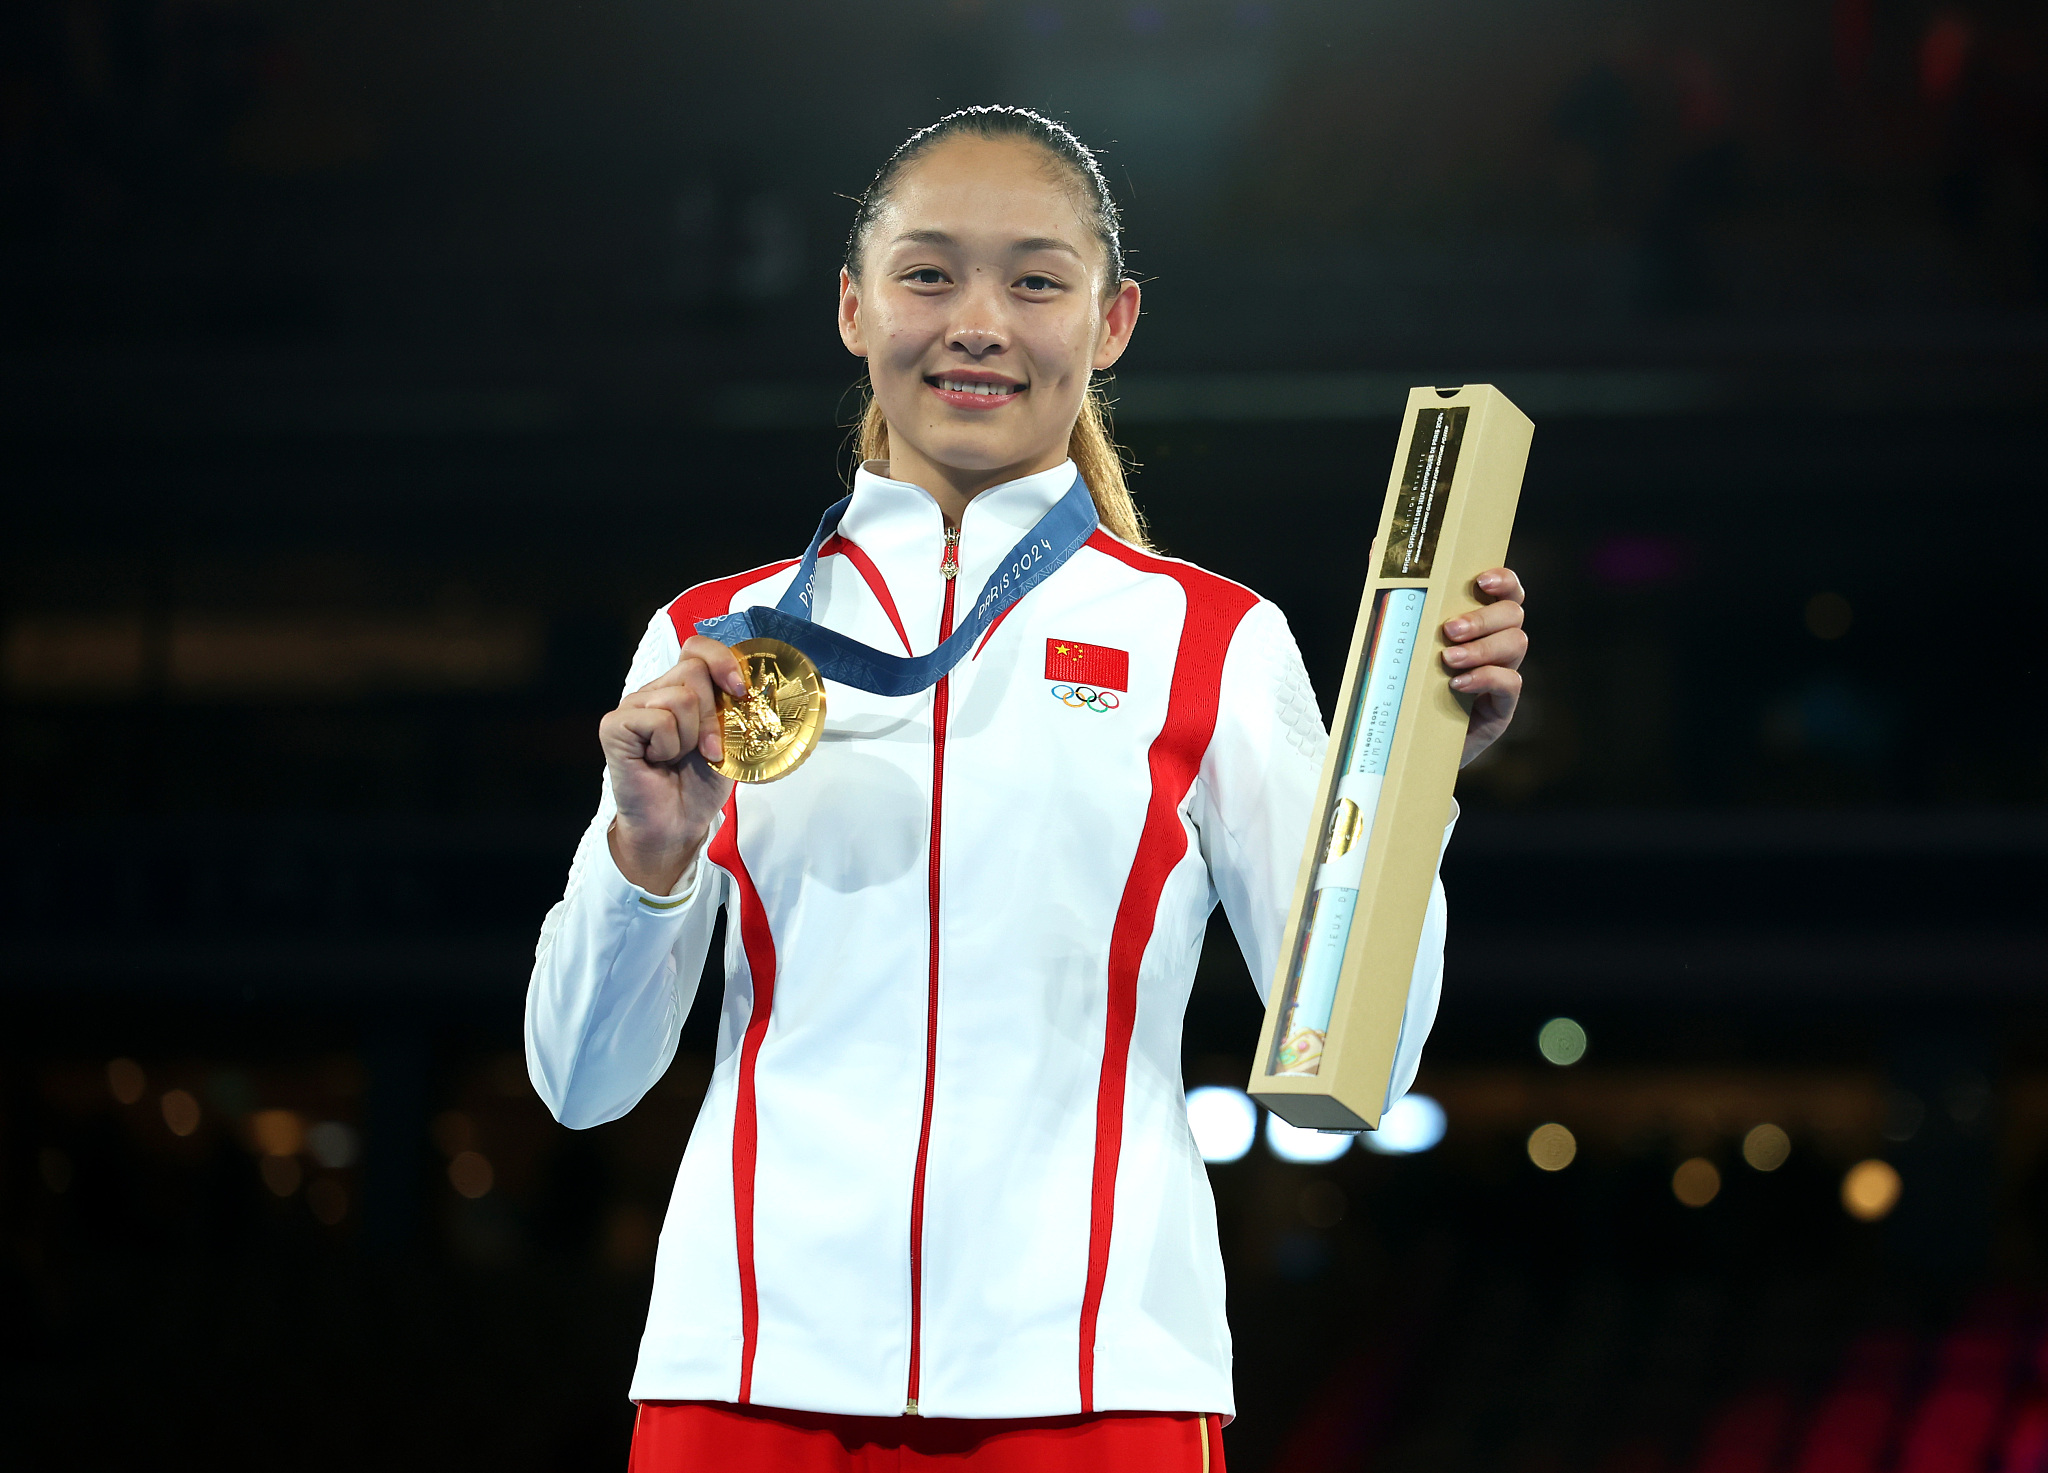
(1086,697)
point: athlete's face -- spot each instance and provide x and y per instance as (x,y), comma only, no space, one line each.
(982,306)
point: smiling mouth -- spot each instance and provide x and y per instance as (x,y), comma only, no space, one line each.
(974,388)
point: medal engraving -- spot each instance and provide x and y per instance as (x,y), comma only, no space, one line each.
(774,727)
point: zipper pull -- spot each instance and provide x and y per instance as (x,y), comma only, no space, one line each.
(910,1407)
(949,567)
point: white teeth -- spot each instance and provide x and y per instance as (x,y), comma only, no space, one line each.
(952,386)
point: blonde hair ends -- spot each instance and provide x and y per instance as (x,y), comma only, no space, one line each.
(1094,453)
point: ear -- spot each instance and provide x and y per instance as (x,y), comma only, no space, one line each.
(849,315)
(1119,321)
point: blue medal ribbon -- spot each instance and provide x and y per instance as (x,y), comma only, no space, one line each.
(1041,552)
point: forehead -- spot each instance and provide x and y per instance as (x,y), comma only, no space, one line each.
(983,190)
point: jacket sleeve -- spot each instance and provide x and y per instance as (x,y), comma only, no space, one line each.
(1253,807)
(617,966)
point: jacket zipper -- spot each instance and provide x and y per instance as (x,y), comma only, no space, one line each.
(949,569)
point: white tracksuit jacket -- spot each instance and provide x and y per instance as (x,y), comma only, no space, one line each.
(944,1162)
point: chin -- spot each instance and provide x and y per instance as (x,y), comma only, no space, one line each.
(971,452)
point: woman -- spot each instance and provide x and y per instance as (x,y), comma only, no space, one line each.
(941,1201)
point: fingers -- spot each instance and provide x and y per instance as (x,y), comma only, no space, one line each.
(1487,647)
(692,708)
(1502,584)
(717,662)
(720,660)
(1490,680)
(649,732)
(1507,648)
(1491,634)
(699,727)
(1475,623)
(687,690)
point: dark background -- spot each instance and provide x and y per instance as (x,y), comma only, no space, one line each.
(372,370)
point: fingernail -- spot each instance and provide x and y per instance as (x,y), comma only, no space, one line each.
(1489,581)
(1457,629)
(714,749)
(736,685)
(1454,657)
(1461,682)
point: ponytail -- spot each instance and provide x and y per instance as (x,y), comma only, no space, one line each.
(1095,455)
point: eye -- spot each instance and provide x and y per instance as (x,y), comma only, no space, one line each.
(925,276)
(1037,283)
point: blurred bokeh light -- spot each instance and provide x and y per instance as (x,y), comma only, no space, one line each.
(1412,1124)
(1292,1143)
(1766,1147)
(1562,1041)
(1871,1189)
(1696,1182)
(1225,1122)
(1552,1147)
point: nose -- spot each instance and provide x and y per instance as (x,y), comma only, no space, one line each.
(978,330)
(977,341)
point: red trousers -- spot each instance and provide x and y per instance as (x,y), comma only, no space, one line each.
(699,1436)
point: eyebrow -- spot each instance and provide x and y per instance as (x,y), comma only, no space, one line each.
(1018,247)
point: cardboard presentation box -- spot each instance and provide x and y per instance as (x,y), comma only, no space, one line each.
(1333,1014)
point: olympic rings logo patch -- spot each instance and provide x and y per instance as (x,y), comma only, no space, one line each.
(1086,697)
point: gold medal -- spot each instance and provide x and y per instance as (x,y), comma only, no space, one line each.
(770,732)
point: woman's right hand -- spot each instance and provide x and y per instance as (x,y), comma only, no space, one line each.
(658,746)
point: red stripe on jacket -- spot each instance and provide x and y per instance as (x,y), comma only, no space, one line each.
(702,602)
(1215,607)
(759,946)
(707,600)
(856,555)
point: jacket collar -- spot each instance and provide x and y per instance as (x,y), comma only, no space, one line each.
(899,525)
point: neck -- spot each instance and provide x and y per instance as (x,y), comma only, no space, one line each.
(952,487)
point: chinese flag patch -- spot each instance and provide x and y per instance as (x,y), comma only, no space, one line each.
(1087,664)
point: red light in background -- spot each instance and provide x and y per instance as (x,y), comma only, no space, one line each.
(1944,54)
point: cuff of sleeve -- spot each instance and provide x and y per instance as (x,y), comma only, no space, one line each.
(626,895)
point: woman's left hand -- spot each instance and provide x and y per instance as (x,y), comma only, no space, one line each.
(1485,658)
